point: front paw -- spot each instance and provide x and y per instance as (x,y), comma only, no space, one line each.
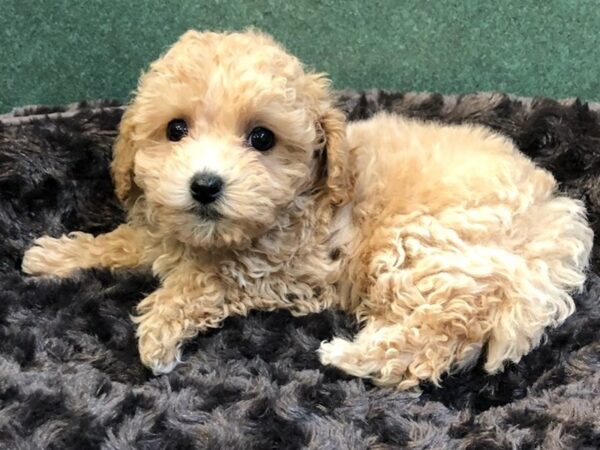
(159,346)
(47,256)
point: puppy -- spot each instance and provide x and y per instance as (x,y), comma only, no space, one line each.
(245,190)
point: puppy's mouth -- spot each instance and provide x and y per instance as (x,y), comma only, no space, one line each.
(207,213)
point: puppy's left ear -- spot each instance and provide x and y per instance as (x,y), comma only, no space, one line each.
(331,138)
(339,177)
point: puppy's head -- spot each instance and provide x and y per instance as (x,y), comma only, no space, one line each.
(225,132)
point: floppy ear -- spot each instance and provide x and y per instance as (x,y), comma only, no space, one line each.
(339,178)
(123,156)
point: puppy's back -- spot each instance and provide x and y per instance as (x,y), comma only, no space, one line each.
(406,165)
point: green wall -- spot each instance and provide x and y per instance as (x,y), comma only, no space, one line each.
(59,51)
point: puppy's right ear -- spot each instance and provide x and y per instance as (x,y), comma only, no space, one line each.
(123,156)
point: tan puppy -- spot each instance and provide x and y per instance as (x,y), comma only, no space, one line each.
(245,190)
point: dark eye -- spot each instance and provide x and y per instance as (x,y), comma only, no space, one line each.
(261,139)
(176,130)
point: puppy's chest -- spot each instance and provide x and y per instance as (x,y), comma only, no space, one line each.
(301,280)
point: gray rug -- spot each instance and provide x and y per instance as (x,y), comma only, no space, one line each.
(70,376)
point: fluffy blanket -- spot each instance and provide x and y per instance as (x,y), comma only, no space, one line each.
(70,376)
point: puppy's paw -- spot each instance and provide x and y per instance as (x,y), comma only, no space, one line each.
(337,352)
(161,361)
(159,349)
(48,256)
(351,358)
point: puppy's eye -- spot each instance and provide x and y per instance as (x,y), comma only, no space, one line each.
(261,139)
(176,130)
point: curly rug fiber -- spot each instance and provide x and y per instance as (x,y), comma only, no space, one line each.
(70,377)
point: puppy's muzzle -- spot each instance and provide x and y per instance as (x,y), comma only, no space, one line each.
(206,187)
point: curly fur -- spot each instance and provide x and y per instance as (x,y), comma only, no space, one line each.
(434,271)
(441,268)
(70,375)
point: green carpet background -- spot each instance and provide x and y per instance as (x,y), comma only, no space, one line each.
(60,51)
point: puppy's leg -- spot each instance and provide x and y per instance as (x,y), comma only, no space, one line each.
(555,257)
(437,298)
(189,301)
(428,298)
(399,355)
(122,247)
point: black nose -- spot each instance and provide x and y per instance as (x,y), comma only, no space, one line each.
(206,187)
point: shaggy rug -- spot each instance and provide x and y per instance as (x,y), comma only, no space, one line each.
(70,377)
